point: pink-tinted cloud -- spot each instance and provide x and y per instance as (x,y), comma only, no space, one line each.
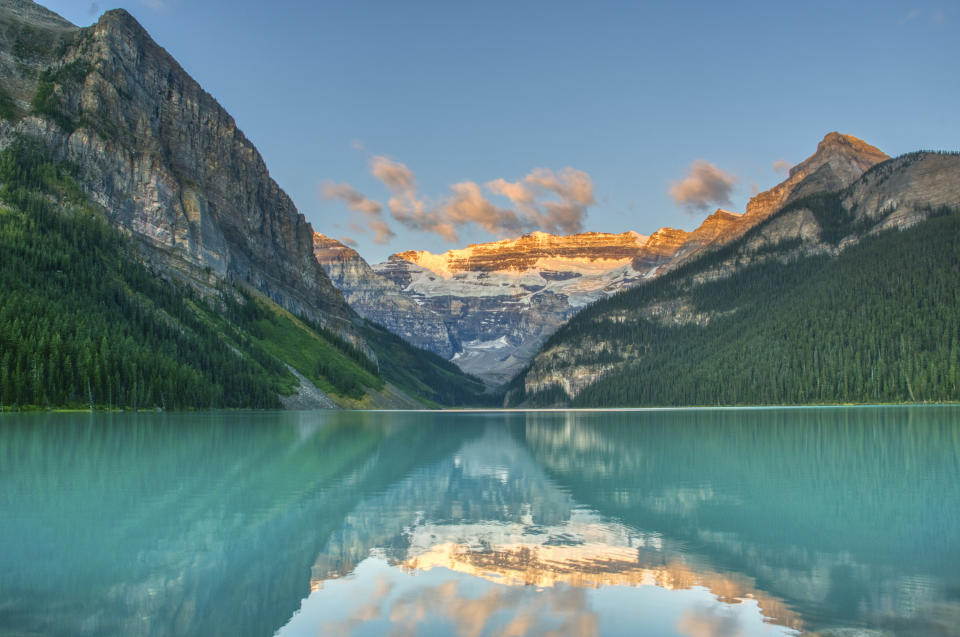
(396,176)
(572,190)
(356,201)
(349,195)
(382,233)
(348,241)
(545,200)
(782,166)
(704,187)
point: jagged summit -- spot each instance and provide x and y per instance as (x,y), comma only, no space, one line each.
(835,142)
(124,20)
(847,156)
(838,161)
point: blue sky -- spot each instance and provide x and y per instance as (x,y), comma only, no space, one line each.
(551,98)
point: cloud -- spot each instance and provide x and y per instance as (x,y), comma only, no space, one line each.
(782,166)
(349,195)
(704,187)
(550,612)
(543,200)
(572,187)
(555,202)
(382,233)
(348,241)
(405,204)
(358,202)
(157,5)
(93,10)
(396,176)
(703,621)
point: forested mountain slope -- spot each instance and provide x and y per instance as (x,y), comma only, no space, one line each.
(149,260)
(844,296)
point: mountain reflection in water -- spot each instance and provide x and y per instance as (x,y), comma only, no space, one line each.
(686,522)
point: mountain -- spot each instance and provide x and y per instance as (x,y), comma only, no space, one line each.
(132,200)
(500,301)
(379,299)
(160,155)
(846,292)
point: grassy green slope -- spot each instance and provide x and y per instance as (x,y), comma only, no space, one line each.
(879,323)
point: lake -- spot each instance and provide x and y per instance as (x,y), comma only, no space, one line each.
(712,522)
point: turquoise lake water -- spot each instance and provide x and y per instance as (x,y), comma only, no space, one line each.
(831,521)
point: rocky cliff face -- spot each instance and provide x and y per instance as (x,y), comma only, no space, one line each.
(523,253)
(839,161)
(501,300)
(380,300)
(164,159)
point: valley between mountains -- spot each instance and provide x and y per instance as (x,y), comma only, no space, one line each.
(149,260)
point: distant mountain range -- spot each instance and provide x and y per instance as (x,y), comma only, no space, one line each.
(491,306)
(130,199)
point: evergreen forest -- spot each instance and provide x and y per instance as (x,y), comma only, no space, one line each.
(880,322)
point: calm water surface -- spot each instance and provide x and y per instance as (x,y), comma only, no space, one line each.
(692,522)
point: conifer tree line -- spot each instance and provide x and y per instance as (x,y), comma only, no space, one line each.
(878,323)
(81,324)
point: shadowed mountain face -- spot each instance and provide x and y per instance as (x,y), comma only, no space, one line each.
(500,301)
(819,520)
(161,156)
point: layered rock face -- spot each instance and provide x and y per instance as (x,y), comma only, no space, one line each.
(524,253)
(380,300)
(501,300)
(164,159)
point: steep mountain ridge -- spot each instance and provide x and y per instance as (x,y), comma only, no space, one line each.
(838,161)
(163,158)
(731,308)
